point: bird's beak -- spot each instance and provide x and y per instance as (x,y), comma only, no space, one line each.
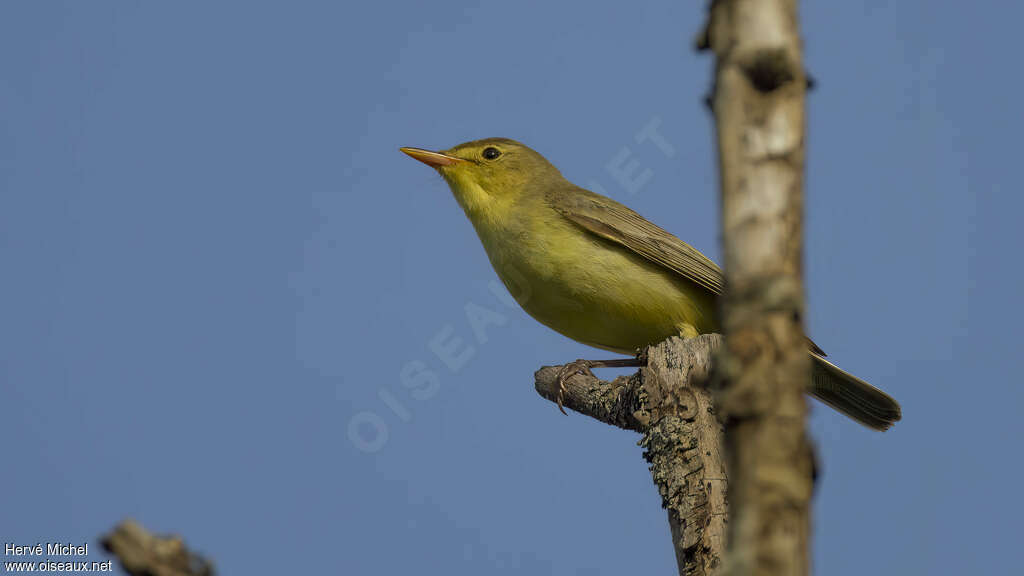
(432,159)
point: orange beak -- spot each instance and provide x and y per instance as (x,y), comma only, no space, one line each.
(432,159)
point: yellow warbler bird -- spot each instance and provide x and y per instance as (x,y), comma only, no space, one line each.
(596,271)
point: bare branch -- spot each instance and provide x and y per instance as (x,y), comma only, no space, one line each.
(144,554)
(667,402)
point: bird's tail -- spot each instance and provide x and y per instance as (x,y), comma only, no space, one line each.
(852,396)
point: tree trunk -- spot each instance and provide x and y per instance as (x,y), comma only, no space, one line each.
(758,103)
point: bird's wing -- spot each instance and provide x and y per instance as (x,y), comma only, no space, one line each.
(612,221)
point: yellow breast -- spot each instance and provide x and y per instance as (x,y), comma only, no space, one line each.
(593,290)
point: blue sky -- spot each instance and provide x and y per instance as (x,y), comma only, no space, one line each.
(214,259)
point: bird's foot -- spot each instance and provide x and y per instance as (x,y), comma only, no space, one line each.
(569,370)
(582,366)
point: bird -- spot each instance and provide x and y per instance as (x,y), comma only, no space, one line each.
(597,272)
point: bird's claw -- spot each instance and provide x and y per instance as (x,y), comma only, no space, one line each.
(568,371)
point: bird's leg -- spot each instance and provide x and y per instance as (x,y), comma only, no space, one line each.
(583,367)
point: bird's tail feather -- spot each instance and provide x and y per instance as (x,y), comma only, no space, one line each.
(852,396)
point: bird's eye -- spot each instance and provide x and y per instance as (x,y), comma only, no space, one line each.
(491,152)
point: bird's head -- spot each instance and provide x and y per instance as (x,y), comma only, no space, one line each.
(487,175)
